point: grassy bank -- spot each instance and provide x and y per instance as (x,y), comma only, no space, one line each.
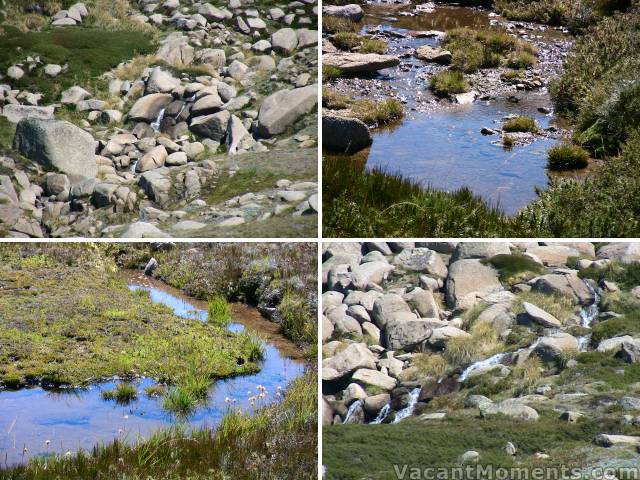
(275,442)
(280,279)
(378,204)
(69,319)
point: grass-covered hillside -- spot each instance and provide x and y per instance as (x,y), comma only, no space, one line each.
(442,355)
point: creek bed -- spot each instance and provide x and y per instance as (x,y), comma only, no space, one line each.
(71,419)
(440,144)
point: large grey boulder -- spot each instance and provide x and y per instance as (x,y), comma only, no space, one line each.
(374,378)
(468,282)
(389,308)
(148,108)
(176,51)
(15,113)
(284,40)
(510,408)
(355,356)
(212,126)
(352,63)
(238,139)
(351,12)
(423,302)
(283,108)
(370,272)
(421,260)
(161,81)
(154,158)
(466,250)
(58,144)
(344,135)
(540,316)
(556,345)
(569,285)
(156,184)
(406,335)
(620,252)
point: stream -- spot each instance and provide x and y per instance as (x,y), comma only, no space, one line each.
(38,422)
(440,144)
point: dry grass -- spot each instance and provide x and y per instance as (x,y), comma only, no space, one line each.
(559,306)
(427,365)
(483,342)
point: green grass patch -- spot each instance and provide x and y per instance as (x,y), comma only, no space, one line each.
(376,112)
(448,82)
(346,40)
(329,72)
(380,204)
(338,24)
(219,311)
(567,156)
(626,276)
(179,401)
(374,45)
(515,268)
(88,52)
(295,313)
(520,124)
(613,374)
(334,100)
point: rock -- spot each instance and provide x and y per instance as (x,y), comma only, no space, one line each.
(176,51)
(15,113)
(435,55)
(553,255)
(57,184)
(629,403)
(142,230)
(58,144)
(283,108)
(538,315)
(149,107)
(237,70)
(510,408)
(466,98)
(238,139)
(187,226)
(440,336)
(74,95)
(556,345)
(15,72)
(468,282)
(375,403)
(569,285)
(370,272)
(327,328)
(206,105)
(630,352)
(212,13)
(620,252)
(466,250)
(155,158)
(605,440)
(352,393)
(344,135)
(327,413)
(571,417)
(212,56)
(406,334)
(151,266)
(421,260)
(161,81)
(423,302)
(176,159)
(374,378)
(352,63)
(156,185)
(390,307)
(355,356)
(613,343)
(212,126)
(351,12)
(306,37)
(470,456)
(510,449)
(104,194)
(284,40)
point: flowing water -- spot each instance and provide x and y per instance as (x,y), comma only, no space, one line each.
(587,316)
(352,410)
(408,410)
(489,362)
(156,123)
(382,414)
(79,418)
(441,144)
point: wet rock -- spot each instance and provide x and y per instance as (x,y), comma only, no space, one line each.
(346,135)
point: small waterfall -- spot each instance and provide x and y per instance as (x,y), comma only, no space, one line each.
(408,410)
(156,124)
(132,167)
(354,406)
(587,316)
(382,414)
(488,362)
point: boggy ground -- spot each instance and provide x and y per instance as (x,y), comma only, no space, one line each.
(501,354)
(70,320)
(198,120)
(583,115)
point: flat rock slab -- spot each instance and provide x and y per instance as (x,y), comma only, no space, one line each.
(15,113)
(349,62)
(540,316)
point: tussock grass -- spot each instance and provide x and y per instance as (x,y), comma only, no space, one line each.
(375,112)
(373,45)
(520,124)
(338,24)
(515,268)
(448,82)
(346,40)
(429,366)
(567,156)
(330,72)
(483,342)
(219,311)
(333,100)
(282,439)
(557,305)
(124,393)
(295,313)
(380,204)
(179,401)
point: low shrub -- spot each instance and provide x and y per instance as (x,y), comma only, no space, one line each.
(520,124)
(448,82)
(567,156)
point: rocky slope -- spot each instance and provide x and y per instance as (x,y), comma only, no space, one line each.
(488,336)
(214,130)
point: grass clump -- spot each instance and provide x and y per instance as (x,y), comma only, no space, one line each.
(373,45)
(329,72)
(520,124)
(448,82)
(560,306)
(155,390)
(567,156)
(179,401)
(294,312)
(338,24)
(219,311)
(483,342)
(515,268)
(124,393)
(377,112)
(346,40)
(476,49)
(333,100)
(429,365)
